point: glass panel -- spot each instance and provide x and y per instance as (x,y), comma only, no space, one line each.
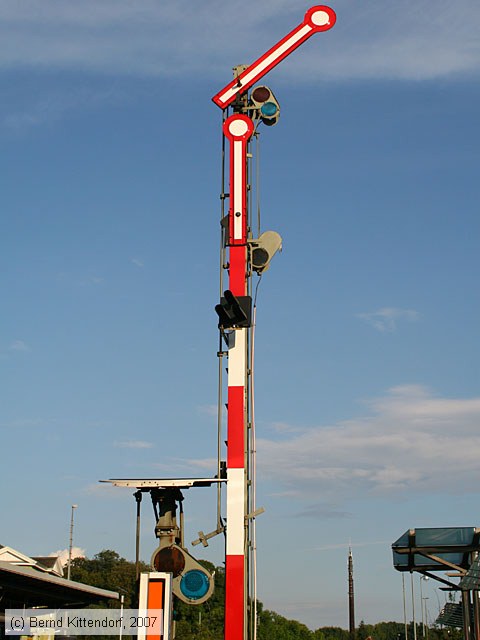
(472,579)
(402,541)
(400,559)
(449,536)
(458,538)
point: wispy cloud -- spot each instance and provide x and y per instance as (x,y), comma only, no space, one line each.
(137,262)
(19,345)
(289,493)
(53,105)
(208,410)
(412,440)
(353,545)
(133,444)
(26,423)
(283,427)
(405,39)
(323,511)
(186,467)
(200,463)
(105,490)
(387,318)
(80,279)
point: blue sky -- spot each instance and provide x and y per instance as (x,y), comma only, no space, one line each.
(367,375)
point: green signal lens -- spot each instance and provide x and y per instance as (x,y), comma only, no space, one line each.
(194,584)
(269,109)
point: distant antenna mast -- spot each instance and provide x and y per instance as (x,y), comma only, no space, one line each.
(351,598)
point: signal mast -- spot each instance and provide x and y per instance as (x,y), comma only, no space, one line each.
(244,254)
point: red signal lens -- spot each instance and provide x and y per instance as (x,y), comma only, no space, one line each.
(170,560)
(261,94)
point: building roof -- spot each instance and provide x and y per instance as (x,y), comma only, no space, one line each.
(26,586)
(52,564)
(9,554)
(48,562)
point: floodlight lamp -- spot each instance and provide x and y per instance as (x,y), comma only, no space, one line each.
(262,250)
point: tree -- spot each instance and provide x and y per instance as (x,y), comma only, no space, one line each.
(273,625)
(331,633)
(108,570)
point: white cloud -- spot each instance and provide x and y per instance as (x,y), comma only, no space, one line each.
(137,262)
(411,441)
(77,552)
(133,444)
(386,319)
(404,39)
(408,440)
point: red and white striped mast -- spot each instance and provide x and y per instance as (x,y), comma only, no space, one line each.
(238,129)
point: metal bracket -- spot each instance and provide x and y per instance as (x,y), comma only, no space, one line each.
(436,558)
(203,537)
(255,513)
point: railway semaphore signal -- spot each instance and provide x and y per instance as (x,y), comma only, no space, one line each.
(245,254)
(246,103)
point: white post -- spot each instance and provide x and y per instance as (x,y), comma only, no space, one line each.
(122,600)
(421,605)
(413,609)
(404,607)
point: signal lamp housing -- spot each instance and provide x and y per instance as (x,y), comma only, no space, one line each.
(191,582)
(234,311)
(265,104)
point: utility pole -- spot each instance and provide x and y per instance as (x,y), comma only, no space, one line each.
(351,598)
(70,543)
(422,604)
(235,311)
(138,499)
